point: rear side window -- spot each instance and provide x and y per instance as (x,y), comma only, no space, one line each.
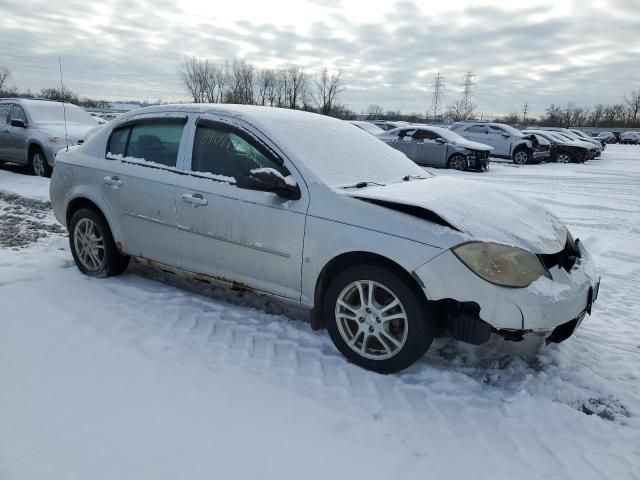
(152,141)
(477,129)
(4,113)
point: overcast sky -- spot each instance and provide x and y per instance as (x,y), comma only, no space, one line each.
(539,51)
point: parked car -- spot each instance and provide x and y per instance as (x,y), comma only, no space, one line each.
(507,141)
(367,127)
(630,137)
(310,210)
(389,125)
(563,150)
(605,137)
(593,150)
(584,136)
(32,131)
(596,150)
(438,147)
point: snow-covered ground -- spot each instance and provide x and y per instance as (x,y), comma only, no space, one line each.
(146,377)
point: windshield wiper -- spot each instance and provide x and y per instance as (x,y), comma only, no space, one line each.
(406,178)
(363,184)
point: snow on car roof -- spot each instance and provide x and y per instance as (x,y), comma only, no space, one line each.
(331,149)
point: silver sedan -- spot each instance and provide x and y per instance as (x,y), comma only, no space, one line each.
(438,147)
(316,212)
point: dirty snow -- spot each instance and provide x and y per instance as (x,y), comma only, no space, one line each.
(144,376)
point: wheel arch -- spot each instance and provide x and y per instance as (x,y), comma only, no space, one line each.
(32,145)
(344,260)
(82,201)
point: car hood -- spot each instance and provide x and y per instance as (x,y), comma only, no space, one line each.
(479,211)
(75,131)
(472,145)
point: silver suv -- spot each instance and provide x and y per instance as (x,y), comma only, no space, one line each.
(33,131)
(508,142)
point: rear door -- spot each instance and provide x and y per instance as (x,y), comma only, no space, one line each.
(138,183)
(249,237)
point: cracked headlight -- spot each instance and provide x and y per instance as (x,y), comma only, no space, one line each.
(501,264)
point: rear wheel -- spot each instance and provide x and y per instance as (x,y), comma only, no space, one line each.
(38,164)
(458,162)
(377,319)
(521,157)
(563,157)
(92,245)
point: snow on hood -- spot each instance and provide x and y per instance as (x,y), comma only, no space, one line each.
(479,211)
(472,145)
(75,131)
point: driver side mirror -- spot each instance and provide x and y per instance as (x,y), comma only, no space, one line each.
(505,135)
(440,140)
(16,122)
(268,180)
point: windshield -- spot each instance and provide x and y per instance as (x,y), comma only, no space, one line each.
(53,112)
(510,129)
(335,152)
(369,127)
(448,135)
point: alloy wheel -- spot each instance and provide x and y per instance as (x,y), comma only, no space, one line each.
(563,158)
(371,320)
(521,157)
(458,162)
(89,244)
(38,164)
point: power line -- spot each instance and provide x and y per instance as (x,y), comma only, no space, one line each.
(468,86)
(436,100)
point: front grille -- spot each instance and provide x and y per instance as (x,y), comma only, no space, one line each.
(565,258)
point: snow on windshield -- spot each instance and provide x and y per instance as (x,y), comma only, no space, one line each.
(448,135)
(334,151)
(510,129)
(53,112)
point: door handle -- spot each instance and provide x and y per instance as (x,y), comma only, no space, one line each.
(195,199)
(113,181)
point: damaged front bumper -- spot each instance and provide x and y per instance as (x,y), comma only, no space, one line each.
(551,307)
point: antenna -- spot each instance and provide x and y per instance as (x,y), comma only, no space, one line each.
(64,109)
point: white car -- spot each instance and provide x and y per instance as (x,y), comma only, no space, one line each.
(313,211)
(630,137)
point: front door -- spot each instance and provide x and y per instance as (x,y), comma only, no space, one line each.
(431,149)
(237,235)
(5,108)
(138,183)
(500,140)
(16,137)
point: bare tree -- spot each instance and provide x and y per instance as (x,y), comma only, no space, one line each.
(296,83)
(194,77)
(328,87)
(596,115)
(374,111)
(59,95)
(461,110)
(4,77)
(633,105)
(241,83)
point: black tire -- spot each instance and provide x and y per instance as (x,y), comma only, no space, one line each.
(420,318)
(458,162)
(112,261)
(522,156)
(564,157)
(38,164)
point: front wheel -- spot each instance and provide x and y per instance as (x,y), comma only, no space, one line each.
(38,164)
(458,162)
(377,319)
(521,157)
(93,247)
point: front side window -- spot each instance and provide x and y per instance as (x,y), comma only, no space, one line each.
(496,130)
(425,135)
(153,141)
(17,113)
(221,150)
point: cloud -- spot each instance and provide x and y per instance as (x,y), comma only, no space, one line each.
(388,52)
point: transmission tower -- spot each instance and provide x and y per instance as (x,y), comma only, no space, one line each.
(525,109)
(468,85)
(436,99)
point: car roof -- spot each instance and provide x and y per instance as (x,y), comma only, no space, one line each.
(33,101)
